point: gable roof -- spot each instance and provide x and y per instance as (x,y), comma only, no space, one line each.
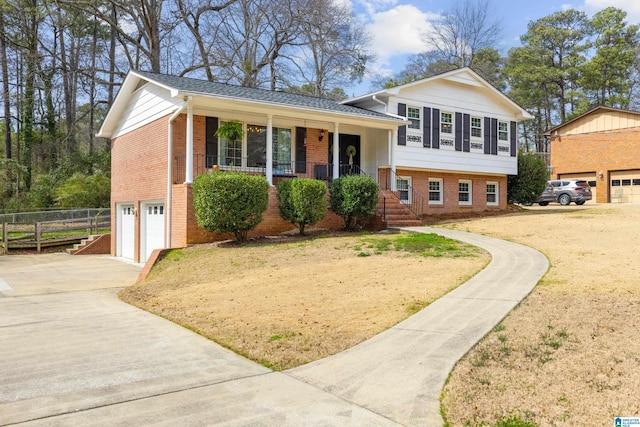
(181,87)
(600,108)
(461,75)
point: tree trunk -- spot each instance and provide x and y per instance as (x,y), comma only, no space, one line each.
(5,88)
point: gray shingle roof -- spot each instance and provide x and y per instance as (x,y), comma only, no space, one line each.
(207,88)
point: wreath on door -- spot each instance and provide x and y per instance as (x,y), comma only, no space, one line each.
(350,151)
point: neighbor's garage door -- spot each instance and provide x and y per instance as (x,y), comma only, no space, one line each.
(127,230)
(625,187)
(153,232)
(589,177)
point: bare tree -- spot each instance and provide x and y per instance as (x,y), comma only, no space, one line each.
(199,16)
(335,47)
(467,28)
(252,36)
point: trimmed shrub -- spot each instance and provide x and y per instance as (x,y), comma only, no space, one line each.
(302,201)
(529,184)
(354,198)
(230,202)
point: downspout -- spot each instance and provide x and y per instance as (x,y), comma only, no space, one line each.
(386,109)
(170,175)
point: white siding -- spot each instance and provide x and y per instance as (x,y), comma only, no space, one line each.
(455,161)
(147,104)
(454,97)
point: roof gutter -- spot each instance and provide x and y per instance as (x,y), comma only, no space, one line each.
(169,173)
(386,109)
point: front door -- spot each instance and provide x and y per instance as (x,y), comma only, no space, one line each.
(349,153)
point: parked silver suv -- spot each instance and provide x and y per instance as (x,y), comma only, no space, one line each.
(566,191)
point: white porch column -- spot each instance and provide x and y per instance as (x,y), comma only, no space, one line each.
(269,171)
(393,142)
(336,150)
(189,154)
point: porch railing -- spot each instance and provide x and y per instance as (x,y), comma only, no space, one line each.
(408,196)
(280,170)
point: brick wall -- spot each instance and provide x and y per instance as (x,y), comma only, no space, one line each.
(450,205)
(187,231)
(138,171)
(616,150)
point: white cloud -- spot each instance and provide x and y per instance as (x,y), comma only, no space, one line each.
(632,7)
(397,32)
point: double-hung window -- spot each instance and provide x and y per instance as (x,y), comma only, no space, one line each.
(464,192)
(492,193)
(403,185)
(435,191)
(413,114)
(476,127)
(503,138)
(503,131)
(446,123)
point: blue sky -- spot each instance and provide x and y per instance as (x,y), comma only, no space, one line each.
(397,25)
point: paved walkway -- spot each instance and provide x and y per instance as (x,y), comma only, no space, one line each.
(71,353)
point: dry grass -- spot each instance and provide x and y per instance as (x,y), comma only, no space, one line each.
(287,304)
(569,355)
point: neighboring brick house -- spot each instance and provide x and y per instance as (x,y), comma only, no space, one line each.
(454,155)
(601,146)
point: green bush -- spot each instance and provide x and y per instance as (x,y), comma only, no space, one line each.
(354,198)
(230,202)
(81,191)
(529,184)
(302,201)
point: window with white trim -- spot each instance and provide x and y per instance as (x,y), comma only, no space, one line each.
(413,114)
(503,138)
(435,191)
(446,123)
(476,127)
(464,192)
(503,131)
(492,193)
(403,184)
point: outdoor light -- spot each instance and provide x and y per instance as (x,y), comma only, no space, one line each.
(321,135)
(600,174)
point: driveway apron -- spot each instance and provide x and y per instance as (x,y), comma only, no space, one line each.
(71,353)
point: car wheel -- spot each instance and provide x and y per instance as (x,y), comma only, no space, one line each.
(580,202)
(564,199)
(543,203)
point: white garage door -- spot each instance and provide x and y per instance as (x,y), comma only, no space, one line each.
(625,187)
(153,232)
(589,177)
(127,229)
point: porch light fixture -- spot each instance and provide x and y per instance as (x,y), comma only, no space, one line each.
(600,174)
(321,135)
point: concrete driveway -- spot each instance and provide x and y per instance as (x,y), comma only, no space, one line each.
(71,353)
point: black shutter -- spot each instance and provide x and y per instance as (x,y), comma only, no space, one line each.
(458,132)
(211,144)
(435,126)
(487,135)
(301,150)
(402,130)
(426,128)
(494,136)
(514,139)
(466,133)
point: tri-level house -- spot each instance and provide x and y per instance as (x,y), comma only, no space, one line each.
(445,144)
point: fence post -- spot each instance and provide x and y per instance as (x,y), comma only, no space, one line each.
(5,238)
(38,237)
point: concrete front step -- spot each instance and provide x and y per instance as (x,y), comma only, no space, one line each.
(84,243)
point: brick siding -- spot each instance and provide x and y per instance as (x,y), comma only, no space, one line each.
(615,150)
